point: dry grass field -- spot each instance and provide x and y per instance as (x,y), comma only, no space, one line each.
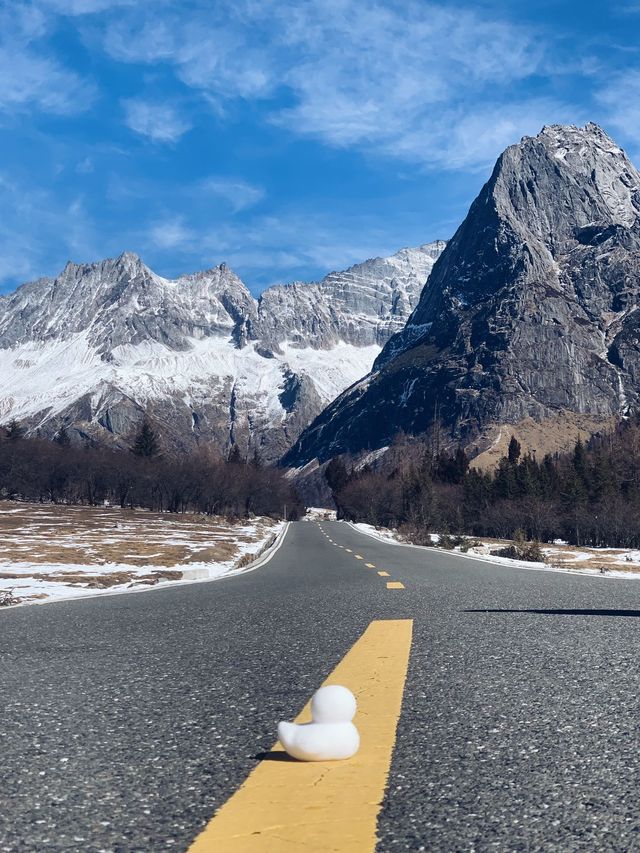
(43,547)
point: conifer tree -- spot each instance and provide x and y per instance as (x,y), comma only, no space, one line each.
(515,449)
(15,431)
(146,444)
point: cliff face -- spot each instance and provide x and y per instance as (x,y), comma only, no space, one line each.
(102,344)
(530,312)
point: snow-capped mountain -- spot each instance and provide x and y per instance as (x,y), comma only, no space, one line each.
(101,344)
(530,322)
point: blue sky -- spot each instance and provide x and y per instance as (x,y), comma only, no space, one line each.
(287,139)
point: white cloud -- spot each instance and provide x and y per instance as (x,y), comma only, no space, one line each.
(621,101)
(171,234)
(83,7)
(473,138)
(628,8)
(39,232)
(29,77)
(160,122)
(238,193)
(297,241)
(85,166)
(207,52)
(380,76)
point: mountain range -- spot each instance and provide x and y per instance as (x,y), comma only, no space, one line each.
(525,323)
(102,345)
(529,323)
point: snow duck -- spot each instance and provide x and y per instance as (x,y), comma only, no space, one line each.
(331,735)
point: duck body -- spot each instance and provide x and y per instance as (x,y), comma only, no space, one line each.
(331,736)
(319,741)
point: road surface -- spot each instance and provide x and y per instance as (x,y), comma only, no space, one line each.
(127,720)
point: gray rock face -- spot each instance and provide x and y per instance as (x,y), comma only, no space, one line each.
(362,306)
(100,344)
(120,301)
(530,311)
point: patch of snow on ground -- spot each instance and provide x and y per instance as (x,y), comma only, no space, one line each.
(43,582)
(379,532)
(562,559)
(318,513)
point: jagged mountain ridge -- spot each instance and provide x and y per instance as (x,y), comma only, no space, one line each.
(101,344)
(530,314)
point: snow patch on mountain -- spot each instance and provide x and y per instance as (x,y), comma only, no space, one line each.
(101,344)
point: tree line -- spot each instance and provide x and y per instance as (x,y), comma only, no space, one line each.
(590,496)
(59,471)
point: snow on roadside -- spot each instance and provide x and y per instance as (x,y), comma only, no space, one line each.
(616,562)
(43,582)
(318,513)
(384,533)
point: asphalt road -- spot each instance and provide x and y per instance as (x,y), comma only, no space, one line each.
(125,721)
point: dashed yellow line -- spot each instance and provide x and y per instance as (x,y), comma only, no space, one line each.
(395,585)
(384,574)
(325,806)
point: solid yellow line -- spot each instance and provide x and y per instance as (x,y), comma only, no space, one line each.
(384,574)
(395,585)
(324,806)
(370,565)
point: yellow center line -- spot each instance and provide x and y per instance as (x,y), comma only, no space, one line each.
(370,565)
(384,574)
(395,585)
(323,806)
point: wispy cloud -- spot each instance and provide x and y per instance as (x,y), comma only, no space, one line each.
(620,98)
(27,79)
(82,7)
(29,76)
(278,242)
(266,247)
(85,166)
(171,234)
(160,122)
(36,225)
(238,193)
(632,7)
(393,79)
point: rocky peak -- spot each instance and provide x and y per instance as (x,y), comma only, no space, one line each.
(362,305)
(530,311)
(546,194)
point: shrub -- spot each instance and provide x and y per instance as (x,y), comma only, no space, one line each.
(7,598)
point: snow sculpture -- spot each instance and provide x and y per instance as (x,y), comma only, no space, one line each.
(331,735)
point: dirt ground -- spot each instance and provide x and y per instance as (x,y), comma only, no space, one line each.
(551,436)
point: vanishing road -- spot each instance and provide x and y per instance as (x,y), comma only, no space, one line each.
(126,721)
